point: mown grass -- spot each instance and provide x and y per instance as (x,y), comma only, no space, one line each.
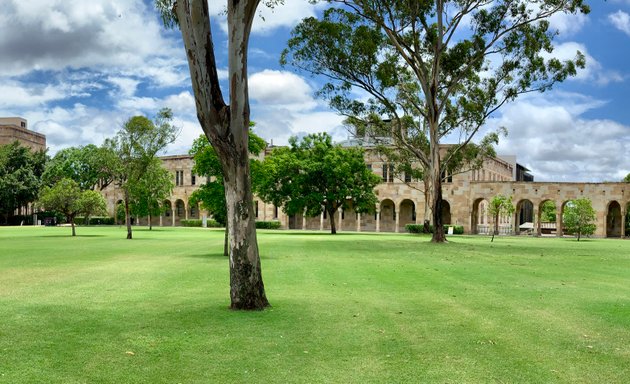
(351,308)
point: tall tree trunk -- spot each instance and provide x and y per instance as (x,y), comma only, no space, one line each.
(127,216)
(427,204)
(436,181)
(247,290)
(150,224)
(74,233)
(331,217)
(226,237)
(227,128)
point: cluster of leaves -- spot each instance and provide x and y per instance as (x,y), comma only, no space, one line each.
(20,177)
(420,228)
(578,218)
(66,197)
(500,206)
(313,175)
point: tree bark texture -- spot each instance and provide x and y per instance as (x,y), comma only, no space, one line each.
(333,226)
(227,128)
(128,216)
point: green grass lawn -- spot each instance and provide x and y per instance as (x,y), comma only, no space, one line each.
(351,308)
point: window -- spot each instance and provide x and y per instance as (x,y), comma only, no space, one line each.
(193,179)
(369,166)
(343,214)
(388,173)
(275,212)
(192,211)
(407,177)
(22,124)
(179,178)
(447,178)
(256,207)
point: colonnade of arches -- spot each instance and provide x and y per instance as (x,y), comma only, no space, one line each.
(171,213)
(389,216)
(546,218)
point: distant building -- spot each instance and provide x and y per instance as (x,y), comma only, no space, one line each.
(16,128)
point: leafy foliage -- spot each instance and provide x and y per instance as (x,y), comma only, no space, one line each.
(274,224)
(578,217)
(548,212)
(500,206)
(87,165)
(431,68)
(148,193)
(66,197)
(314,175)
(20,177)
(132,152)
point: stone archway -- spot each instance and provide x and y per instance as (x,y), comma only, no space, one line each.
(167,213)
(387,215)
(613,219)
(407,214)
(446,212)
(180,211)
(479,217)
(524,215)
(548,218)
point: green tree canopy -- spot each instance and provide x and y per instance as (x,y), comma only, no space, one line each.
(500,206)
(20,177)
(87,165)
(578,217)
(66,197)
(313,175)
(147,195)
(134,148)
(446,65)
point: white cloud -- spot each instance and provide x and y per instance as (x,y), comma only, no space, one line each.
(567,24)
(621,21)
(549,136)
(119,35)
(593,70)
(285,15)
(281,89)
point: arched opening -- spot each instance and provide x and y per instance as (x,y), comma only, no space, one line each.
(387,216)
(407,213)
(479,217)
(446,212)
(119,213)
(193,210)
(547,217)
(627,220)
(524,217)
(167,212)
(180,211)
(613,220)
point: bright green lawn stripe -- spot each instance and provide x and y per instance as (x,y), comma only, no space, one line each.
(354,308)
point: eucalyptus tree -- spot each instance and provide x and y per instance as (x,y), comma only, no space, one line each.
(149,192)
(227,128)
(449,64)
(134,150)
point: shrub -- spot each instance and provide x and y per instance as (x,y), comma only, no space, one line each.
(97,220)
(191,223)
(419,228)
(268,224)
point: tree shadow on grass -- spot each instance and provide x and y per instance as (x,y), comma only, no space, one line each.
(211,255)
(70,236)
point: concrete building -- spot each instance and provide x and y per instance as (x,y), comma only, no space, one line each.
(16,128)
(466,198)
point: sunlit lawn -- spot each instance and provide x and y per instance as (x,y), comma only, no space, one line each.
(350,308)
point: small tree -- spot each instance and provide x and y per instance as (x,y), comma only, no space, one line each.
(92,203)
(548,212)
(500,206)
(148,194)
(66,197)
(315,176)
(578,217)
(136,146)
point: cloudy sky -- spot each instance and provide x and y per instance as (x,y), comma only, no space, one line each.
(76,70)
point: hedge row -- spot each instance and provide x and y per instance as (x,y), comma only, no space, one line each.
(95,221)
(199,223)
(268,224)
(419,228)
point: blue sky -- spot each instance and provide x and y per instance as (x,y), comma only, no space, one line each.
(76,70)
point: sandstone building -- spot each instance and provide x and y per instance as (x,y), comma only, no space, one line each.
(16,128)
(466,196)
